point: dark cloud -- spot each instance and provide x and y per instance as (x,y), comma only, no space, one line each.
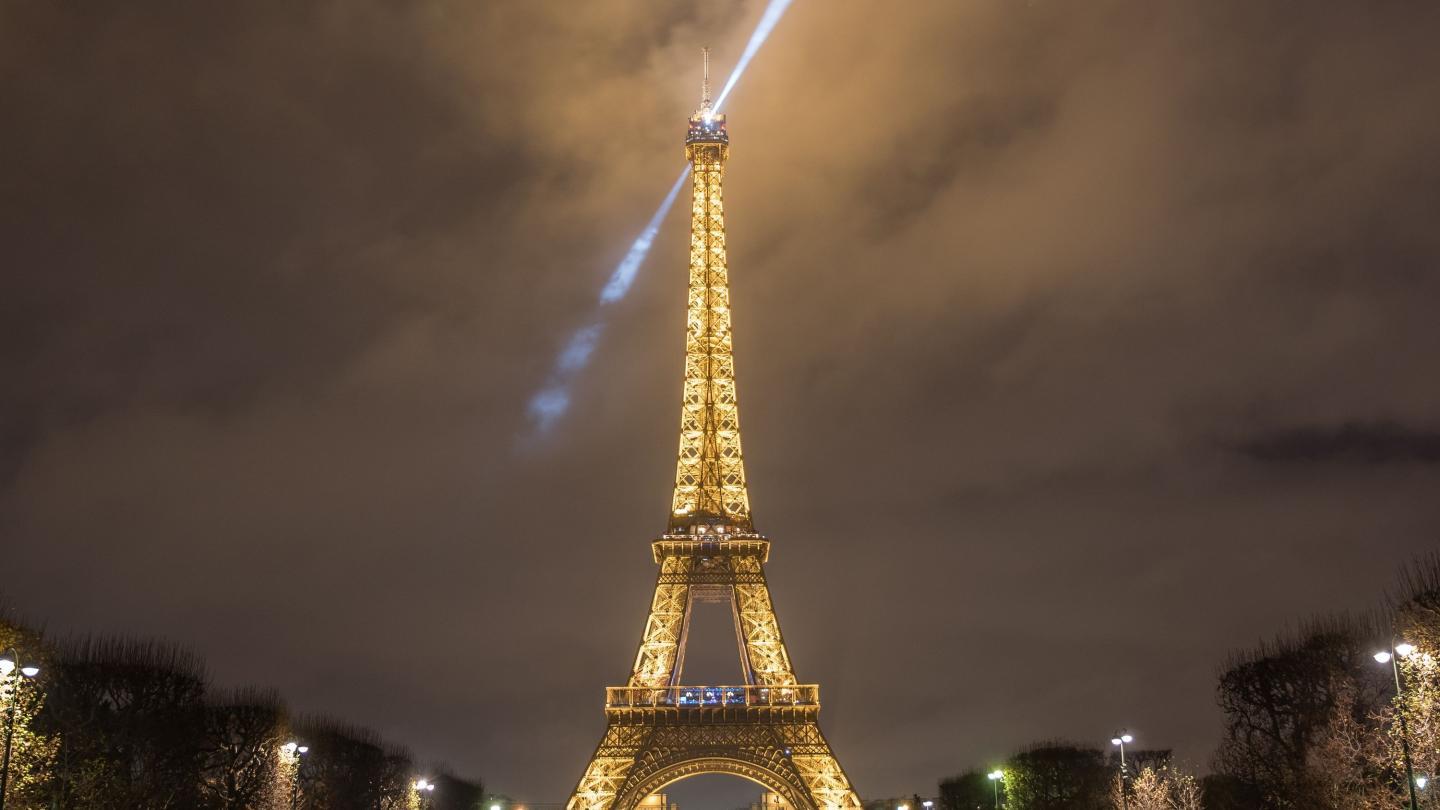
(280,279)
(1351,443)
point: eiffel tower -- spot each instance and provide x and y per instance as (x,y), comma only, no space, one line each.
(765,729)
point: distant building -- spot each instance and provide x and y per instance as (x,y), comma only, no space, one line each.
(658,801)
(903,803)
(770,801)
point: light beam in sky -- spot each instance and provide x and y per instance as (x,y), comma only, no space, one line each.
(551,401)
(768,21)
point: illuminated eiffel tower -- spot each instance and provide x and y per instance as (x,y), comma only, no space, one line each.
(764,729)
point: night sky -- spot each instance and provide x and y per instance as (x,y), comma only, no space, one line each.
(1078,344)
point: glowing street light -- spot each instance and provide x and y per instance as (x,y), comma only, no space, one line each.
(9,663)
(996,777)
(1404,650)
(295,751)
(1121,739)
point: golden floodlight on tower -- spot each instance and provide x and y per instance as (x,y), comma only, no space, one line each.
(766,729)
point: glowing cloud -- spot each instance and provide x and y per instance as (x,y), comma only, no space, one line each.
(552,400)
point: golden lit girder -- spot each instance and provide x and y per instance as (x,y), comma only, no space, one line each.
(765,729)
(765,655)
(657,663)
(725,567)
(710,472)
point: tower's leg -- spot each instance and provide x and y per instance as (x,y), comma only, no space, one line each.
(660,649)
(819,769)
(613,760)
(768,662)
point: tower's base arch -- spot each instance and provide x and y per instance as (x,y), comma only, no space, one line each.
(780,749)
(763,774)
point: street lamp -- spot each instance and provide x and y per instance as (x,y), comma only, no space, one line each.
(1403,650)
(1121,739)
(423,789)
(996,777)
(295,751)
(9,664)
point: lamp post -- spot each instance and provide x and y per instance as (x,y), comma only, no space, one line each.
(1388,657)
(996,777)
(1120,739)
(296,751)
(10,667)
(423,789)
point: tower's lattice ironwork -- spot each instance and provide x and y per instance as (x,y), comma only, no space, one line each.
(765,729)
(710,473)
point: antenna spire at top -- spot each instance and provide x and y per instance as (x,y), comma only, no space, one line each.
(705,85)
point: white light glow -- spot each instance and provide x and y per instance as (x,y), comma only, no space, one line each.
(624,274)
(1383,657)
(552,401)
(768,21)
(1405,650)
(30,672)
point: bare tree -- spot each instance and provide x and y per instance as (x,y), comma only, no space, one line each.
(241,751)
(349,766)
(1185,792)
(1279,701)
(1162,788)
(1150,790)
(130,720)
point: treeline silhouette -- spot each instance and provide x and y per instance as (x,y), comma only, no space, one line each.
(117,722)
(1313,720)
(1061,774)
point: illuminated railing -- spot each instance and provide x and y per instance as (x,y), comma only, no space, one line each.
(685,697)
(710,546)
